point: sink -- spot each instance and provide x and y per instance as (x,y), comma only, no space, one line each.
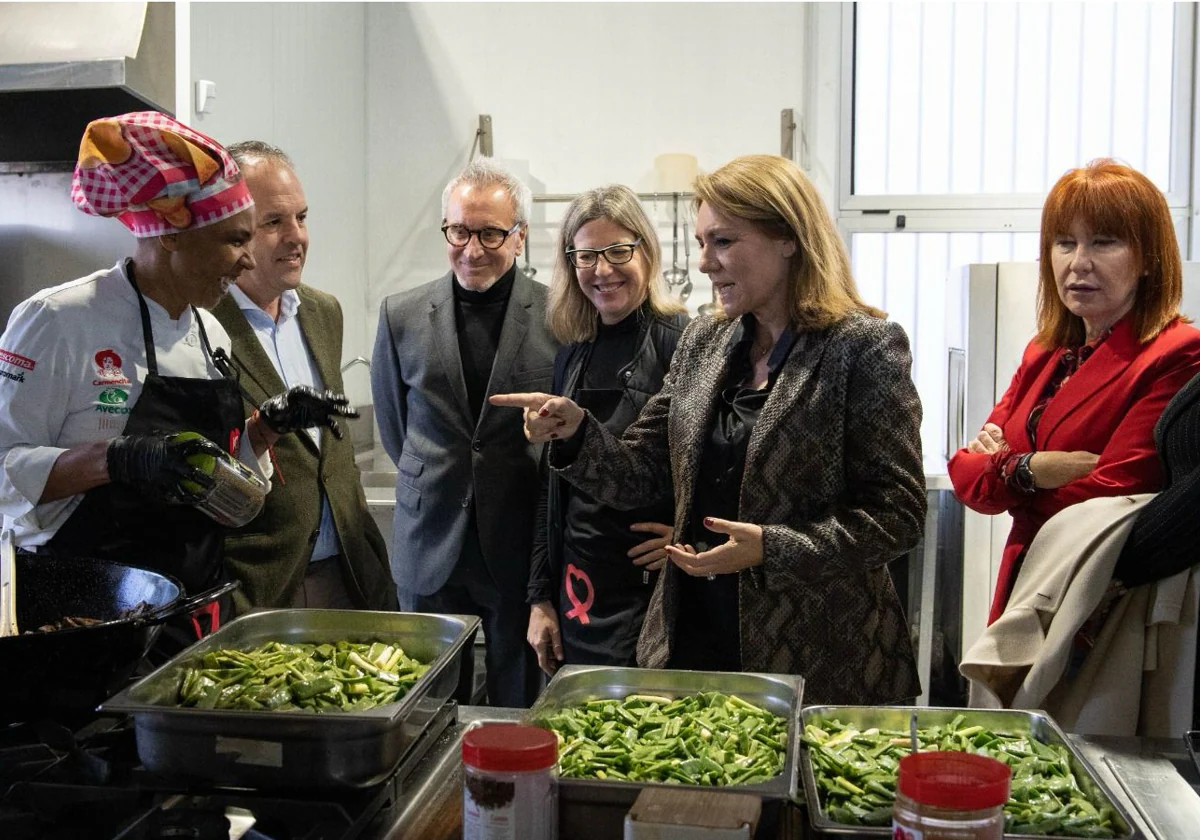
(379,478)
(361,429)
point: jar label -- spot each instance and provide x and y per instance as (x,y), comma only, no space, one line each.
(900,832)
(509,807)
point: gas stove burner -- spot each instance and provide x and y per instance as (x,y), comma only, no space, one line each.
(87,783)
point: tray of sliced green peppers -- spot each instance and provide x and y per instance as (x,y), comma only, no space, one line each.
(298,698)
(328,677)
(850,755)
(670,713)
(621,729)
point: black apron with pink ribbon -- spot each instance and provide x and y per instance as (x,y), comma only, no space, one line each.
(116,522)
(602,603)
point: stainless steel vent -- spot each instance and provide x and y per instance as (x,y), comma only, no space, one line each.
(63,65)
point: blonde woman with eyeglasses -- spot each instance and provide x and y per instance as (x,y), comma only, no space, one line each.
(594,566)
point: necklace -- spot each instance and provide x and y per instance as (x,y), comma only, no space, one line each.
(756,354)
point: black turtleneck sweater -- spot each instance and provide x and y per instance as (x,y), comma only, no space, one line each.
(479,317)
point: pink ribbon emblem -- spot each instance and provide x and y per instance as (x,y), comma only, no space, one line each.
(579,609)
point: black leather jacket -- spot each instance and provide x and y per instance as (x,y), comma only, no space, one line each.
(642,378)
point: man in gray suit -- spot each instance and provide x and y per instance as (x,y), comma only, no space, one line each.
(466,476)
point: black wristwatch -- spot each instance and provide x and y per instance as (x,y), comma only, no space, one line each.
(1023,474)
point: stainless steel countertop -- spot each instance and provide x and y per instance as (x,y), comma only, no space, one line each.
(431,806)
(1154,777)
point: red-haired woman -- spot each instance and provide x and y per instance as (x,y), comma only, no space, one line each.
(1078,419)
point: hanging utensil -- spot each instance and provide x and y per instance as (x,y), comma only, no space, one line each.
(674,276)
(8,586)
(685,289)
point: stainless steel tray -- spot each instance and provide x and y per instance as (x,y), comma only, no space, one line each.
(1036,724)
(300,748)
(574,685)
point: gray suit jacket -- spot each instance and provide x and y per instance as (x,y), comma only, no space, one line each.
(833,474)
(270,555)
(445,458)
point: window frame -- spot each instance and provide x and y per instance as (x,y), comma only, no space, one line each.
(1182,194)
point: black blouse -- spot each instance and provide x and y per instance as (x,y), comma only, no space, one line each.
(706,630)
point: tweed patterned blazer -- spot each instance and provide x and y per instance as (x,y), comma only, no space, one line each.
(833,475)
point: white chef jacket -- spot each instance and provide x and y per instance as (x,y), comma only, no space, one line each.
(72,364)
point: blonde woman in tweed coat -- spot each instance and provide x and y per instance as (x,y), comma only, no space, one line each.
(788,432)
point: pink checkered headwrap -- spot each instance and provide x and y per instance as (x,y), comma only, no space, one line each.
(156,175)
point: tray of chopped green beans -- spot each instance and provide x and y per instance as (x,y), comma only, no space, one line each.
(623,729)
(850,755)
(298,698)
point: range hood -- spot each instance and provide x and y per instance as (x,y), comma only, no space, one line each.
(63,65)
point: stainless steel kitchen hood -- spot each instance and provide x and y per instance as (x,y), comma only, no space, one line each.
(63,65)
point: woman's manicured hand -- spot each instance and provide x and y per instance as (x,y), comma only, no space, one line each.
(743,550)
(546,416)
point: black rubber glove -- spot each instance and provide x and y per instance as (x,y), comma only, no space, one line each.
(303,408)
(158,466)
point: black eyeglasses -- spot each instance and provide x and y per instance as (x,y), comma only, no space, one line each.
(618,254)
(489,237)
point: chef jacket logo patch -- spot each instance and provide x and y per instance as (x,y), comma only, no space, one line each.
(112,401)
(15,360)
(108,368)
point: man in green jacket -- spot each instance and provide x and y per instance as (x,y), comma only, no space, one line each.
(315,543)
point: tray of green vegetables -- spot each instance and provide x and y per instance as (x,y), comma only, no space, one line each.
(622,729)
(850,757)
(304,698)
(340,676)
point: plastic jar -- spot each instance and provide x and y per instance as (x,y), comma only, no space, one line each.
(508,784)
(950,796)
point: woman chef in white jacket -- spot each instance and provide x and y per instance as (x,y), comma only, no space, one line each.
(98,373)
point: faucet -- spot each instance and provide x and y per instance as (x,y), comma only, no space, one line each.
(357,360)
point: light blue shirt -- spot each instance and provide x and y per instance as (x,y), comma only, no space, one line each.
(284,344)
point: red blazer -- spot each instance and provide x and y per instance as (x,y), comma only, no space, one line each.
(1108,407)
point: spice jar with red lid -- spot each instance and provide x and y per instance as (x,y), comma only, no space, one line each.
(508,784)
(950,796)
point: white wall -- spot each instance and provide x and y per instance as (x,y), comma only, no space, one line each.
(824,107)
(580,94)
(294,74)
(378,104)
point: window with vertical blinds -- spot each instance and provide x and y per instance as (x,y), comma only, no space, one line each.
(963,117)
(903,274)
(988,98)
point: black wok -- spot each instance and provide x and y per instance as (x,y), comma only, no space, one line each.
(77,668)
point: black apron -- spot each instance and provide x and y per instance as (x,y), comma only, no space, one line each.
(116,522)
(602,605)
